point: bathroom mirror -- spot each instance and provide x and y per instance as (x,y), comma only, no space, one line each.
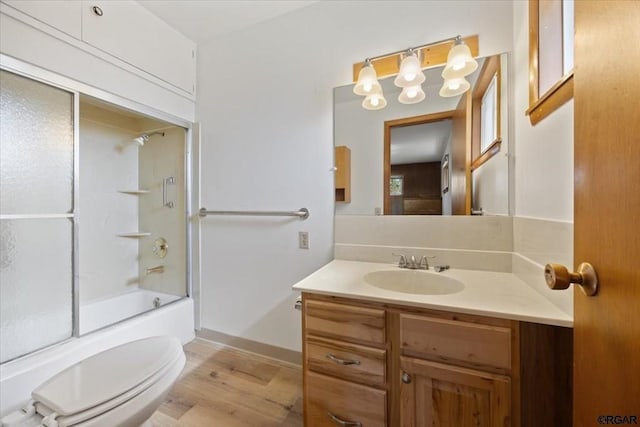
(426,158)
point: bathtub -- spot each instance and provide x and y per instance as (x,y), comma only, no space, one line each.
(104,312)
(19,377)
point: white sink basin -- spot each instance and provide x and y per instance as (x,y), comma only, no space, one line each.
(414,282)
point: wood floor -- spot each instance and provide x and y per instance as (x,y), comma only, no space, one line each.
(223,387)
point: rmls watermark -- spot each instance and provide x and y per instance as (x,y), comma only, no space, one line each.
(618,419)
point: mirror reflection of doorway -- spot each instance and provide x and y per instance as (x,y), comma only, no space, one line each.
(416,154)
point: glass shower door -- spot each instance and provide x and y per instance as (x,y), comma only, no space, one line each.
(36,215)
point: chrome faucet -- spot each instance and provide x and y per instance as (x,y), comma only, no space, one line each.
(412,263)
(156,269)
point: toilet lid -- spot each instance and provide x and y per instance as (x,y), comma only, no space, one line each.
(107,375)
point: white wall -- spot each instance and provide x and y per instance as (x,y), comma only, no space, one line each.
(543,153)
(488,181)
(265,103)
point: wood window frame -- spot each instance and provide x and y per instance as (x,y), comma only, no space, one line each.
(541,105)
(490,68)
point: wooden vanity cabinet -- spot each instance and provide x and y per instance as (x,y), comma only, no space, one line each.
(389,365)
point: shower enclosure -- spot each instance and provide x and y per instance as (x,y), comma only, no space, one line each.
(94,208)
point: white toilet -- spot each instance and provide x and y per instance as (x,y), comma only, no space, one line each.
(122,386)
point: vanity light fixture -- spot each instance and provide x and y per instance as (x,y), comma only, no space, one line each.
(411,95)
(367,83)
(459,64)
(374,101)
(410,70)
(454,87)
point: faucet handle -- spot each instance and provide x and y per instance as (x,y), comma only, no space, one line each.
(402,262)
(424,261)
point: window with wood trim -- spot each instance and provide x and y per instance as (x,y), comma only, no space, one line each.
(485,112)
(488,115)
(550,56)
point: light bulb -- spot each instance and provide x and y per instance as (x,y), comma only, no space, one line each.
(411,95)
(374,101)
(458,65)
(410,72)
(454,87)
(367,81)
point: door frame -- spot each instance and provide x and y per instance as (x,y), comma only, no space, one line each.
(398,123)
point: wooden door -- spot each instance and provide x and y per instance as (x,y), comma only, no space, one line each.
(460,162)
(438,395)
(607,210)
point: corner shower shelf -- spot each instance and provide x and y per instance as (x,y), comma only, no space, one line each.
(134,192)
(136,235)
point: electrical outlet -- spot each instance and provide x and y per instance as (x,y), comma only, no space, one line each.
(303,239)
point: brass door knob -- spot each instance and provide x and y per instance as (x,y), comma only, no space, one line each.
(558,277)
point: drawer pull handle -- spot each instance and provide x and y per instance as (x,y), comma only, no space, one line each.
(342,361)
(342,422)
(97,10)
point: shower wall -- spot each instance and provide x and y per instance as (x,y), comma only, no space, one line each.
(108,163)
(162,161)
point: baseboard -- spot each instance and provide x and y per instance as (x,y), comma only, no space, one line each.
(262,349)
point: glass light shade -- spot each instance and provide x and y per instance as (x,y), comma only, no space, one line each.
(410,73)
(374,101)
(460,63)
(367,81)
(411,95)
(454,87)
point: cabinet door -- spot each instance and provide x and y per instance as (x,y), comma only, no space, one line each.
(64,15)
(439,395)
(131,33)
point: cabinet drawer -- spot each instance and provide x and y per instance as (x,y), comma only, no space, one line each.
(453,340)
(344,400)
(344,321)
(347,361)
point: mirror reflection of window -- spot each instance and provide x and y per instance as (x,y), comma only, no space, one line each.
(395,183)
(489,115)
(486,137)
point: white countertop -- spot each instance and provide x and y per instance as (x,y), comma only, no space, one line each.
(485,293)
